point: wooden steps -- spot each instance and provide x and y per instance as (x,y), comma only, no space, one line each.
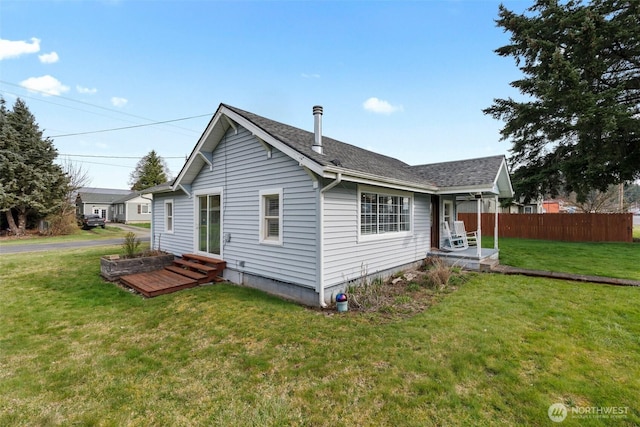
(186,272)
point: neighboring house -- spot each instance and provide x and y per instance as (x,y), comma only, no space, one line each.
(301,215)
(558,206)
(114,205)
(133,208)
(465,204)
(99,201)
(551,206)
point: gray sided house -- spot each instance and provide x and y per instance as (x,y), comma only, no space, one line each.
(99,201)
(301,215)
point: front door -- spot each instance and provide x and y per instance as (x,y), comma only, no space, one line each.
(435,221)
(209,224)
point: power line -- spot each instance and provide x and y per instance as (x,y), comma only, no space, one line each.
(130,127)
(85,103)
(106,164)
(114,157)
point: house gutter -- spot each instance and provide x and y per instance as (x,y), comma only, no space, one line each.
(337,181)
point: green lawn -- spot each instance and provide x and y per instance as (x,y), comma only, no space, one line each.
(619,260)
(110,232)
(75,350)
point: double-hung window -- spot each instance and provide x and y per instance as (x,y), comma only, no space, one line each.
(271,216)
(384,213)
(168,216)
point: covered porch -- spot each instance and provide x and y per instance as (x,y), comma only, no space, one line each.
(472,187)
(470,258)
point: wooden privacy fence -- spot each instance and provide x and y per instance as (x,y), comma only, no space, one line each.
(578,227)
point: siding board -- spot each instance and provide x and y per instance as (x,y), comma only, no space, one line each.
(241,168)
(346,257)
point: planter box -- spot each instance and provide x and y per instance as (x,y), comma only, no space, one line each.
(112,268)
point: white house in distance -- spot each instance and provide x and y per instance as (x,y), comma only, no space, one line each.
(114,205)
(301,215)
(133,208)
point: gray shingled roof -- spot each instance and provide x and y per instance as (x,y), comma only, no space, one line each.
(101,195)
(348,157)
(461,173)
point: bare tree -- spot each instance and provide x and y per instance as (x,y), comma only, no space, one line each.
(600,201)
(63,220)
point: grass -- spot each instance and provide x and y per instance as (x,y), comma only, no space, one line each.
(92,234)
(619,260)
(636,232)
(498,351)
(141,225)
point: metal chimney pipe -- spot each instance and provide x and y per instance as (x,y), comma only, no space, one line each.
(317,129)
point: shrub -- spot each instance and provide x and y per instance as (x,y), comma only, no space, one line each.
(438,273)
(130,244)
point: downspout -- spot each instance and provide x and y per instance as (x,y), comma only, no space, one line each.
(321,272)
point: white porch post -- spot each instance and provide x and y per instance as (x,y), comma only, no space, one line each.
(495,227)
(479,243)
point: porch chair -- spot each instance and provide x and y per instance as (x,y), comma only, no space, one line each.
(453,241)
(471,236)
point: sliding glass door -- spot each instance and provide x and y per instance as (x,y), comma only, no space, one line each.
(209,224)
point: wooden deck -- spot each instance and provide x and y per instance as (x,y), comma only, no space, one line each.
(189,271)
(158,282)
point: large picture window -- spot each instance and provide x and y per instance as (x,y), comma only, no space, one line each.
(382,213)
(271,216)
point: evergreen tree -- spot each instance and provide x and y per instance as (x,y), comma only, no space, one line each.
(577,126)
(30,181)
(151,170)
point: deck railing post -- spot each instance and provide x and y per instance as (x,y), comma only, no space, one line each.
(479,233)
(495,227)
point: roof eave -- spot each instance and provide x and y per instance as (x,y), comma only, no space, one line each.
(376,180)
(196,160)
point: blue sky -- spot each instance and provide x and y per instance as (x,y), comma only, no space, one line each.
(405,79)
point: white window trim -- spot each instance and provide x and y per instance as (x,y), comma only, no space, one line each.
(261,219)
(452,216)
(166,217)
(386,192)
(214,191)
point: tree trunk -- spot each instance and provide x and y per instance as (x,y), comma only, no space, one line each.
(12,222)
(22,222)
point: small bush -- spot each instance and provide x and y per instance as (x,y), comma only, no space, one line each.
(131,244)
(367,295)
(439,273)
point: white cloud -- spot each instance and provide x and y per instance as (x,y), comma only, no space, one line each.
(310,76)
(13,49)
(47,85)
(49,58)
(380,106)
(119,102)
(86,90)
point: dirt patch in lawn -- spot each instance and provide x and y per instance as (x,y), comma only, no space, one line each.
(404,294)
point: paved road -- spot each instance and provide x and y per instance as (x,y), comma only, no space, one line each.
(143,235)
